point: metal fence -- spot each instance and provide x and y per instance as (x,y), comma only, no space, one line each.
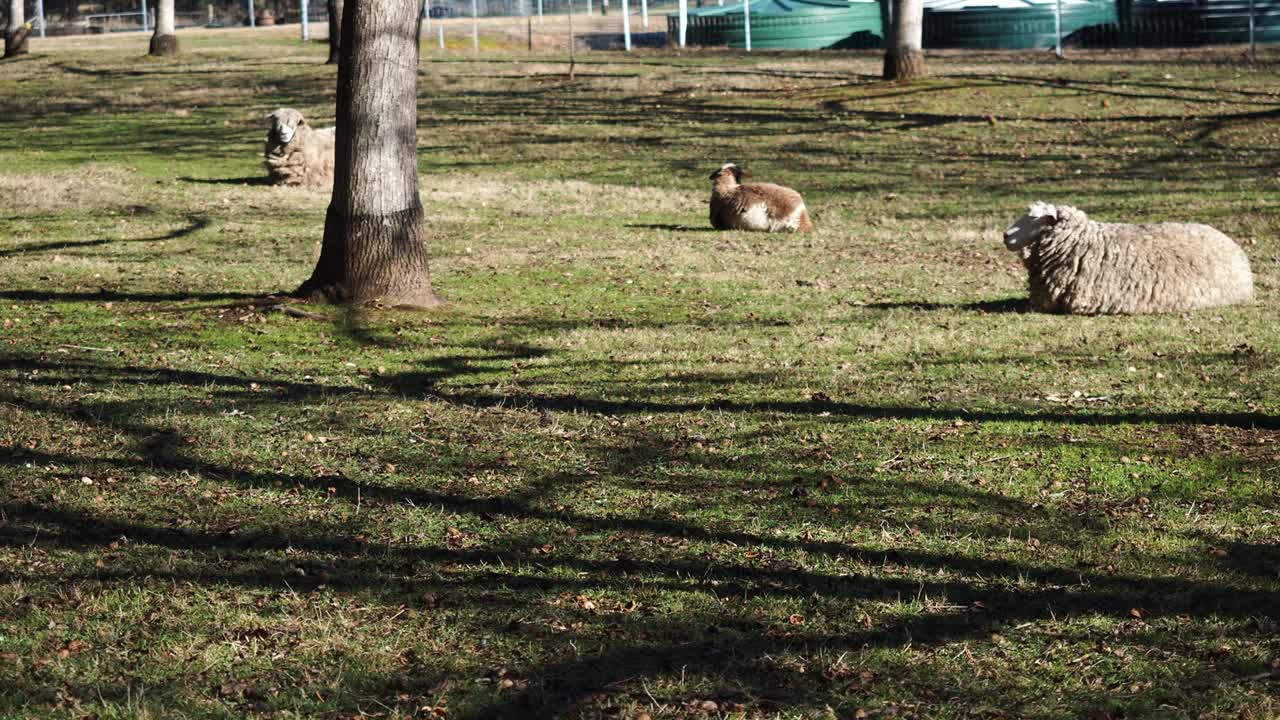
(1103,24)
(1097,24)
(1109,24)
(73,17)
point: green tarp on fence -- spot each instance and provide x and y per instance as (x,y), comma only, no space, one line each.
(1011,28)
(1216,22)
(817,24)
(794,24)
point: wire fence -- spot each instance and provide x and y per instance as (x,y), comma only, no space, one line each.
(1131,23)
(68,17)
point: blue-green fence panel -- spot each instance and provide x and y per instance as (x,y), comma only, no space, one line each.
(790,24)
(1013,28)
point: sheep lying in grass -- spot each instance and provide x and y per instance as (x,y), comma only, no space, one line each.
(296,153)
(1078,265)
(754,206)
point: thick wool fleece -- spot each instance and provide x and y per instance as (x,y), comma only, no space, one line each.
(1081,266)
(306,159)
(755,206)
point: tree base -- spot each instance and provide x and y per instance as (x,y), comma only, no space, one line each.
(337,294)
(902,64)
(15,43)
(376,260)
(164,45)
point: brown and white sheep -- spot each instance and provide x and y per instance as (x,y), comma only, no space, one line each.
(763,207)
(1078,265)
(296,153)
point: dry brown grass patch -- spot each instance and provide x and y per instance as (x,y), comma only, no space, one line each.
(92,187)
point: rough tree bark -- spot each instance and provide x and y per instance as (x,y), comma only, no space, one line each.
(15,35)
(904,53)
(335,30)
(164,41)
(373,241)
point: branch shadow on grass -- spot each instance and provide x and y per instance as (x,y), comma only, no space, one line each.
(1010,305)
(671,227)
(116,296)
(503,584)
(195,224)
(247,180)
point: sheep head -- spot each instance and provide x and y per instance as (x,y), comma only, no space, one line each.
(284,125)
(729,169)
(1028,229)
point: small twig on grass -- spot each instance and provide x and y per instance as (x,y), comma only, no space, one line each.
(656,705)
(85,347)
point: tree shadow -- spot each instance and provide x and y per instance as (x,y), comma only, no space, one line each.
(1146,90)
(196,223)
(504,584)
(984,307)
(671,227)
(248,180)
(827,408)
(105,295)
(1258,559)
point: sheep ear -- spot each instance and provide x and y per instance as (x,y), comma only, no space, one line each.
(739,173)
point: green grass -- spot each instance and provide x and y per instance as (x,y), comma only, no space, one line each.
(635,466)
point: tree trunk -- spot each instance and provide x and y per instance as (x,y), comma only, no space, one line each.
(15,36)
(903,55)
(373,241)
(335,30)
(164,42)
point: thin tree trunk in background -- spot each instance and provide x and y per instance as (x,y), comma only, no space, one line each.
(335,30)
(373,241)
(164,41)
(15,36)
(571,41)
(904,53)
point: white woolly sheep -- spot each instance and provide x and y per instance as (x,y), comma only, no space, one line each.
(296,153)
(754,206)
(1078,265)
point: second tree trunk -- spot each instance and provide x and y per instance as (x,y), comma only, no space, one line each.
(15,35)
(904,54)
(164,41)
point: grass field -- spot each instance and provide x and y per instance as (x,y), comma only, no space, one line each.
(636,468)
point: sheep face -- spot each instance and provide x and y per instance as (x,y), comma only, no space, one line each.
(1026,230)
(284,125)
(726,170)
